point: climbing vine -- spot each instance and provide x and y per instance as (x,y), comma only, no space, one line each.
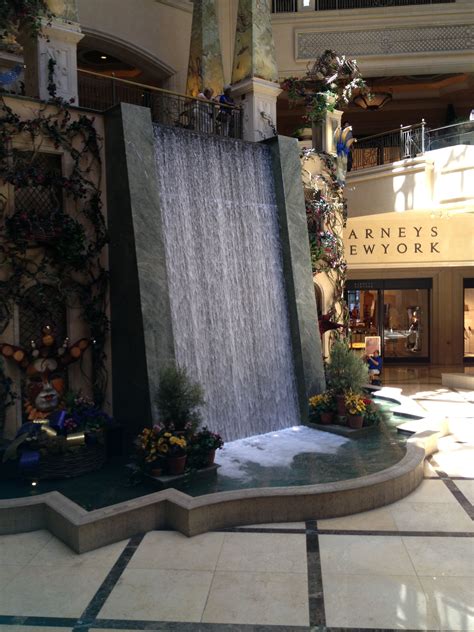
(326,214)
(328,84)
(59,245)
(16,14)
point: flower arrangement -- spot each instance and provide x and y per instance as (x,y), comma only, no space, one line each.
(323,403)
(208,440)
(355,404)
(82,413)
(157,442)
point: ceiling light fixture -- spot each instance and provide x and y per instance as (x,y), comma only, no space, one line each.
(373,100)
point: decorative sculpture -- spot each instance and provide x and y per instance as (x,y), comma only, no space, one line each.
(44,365)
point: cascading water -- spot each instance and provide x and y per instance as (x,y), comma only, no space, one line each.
(225,274)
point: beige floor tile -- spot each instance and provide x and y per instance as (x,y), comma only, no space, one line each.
(20,548)
(467,488)
(373,601)
(7,574)
(442,556)
(445,517)
(261,552)
(56,553)
(429,471)
(451,599)
(457,461)
(258,598)
(374,520)
(173,550)
(430,492)
(364,555)
(162,595)
(50,591)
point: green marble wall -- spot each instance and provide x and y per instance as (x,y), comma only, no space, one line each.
(306,340)
(141,331)
(254,52)
(205,59)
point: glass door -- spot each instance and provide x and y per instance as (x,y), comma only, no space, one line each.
(468,320)
(397,310)
(406,324)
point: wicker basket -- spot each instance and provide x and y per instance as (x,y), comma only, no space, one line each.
(75,462)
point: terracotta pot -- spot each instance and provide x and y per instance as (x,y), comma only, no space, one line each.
(355,421)
(327,417)
(157,471)
(341,404)
(211,455)
(176,464)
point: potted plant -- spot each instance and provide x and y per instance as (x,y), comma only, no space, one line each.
(373,414)
(149,454)
(178,400)
(345,372)
(173,447)
(323,406)
(355,407)
(203,447)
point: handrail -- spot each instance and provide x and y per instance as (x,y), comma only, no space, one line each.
(137,84)
(437,129)
(402,128)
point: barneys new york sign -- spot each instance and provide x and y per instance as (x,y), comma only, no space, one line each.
(370,240)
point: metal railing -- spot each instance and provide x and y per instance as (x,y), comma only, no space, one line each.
(290,6)
(396,144)
(450,135)
(100,92)
(407,142)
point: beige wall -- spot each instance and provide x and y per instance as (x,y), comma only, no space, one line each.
(348,34)
(156,32)
(439,181)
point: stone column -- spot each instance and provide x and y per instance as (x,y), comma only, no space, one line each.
(323,132)
(254,73)
(58,40)
(205,59)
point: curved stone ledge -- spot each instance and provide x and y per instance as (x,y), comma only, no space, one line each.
(171,509)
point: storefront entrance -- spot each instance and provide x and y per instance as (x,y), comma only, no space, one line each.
(396,310)
(469,320)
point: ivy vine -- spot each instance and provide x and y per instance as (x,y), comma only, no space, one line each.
(55,247)
(16,14)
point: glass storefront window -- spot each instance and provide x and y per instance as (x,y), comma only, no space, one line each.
(396,310)
(406,323)
(469,322)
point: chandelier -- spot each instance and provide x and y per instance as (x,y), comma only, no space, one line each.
(372,100)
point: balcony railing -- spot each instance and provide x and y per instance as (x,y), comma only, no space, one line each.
(290,6)
(99,92)
(408,142)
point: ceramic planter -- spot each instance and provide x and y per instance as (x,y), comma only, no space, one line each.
(355,421)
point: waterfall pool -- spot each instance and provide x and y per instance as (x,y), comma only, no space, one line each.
(284,458)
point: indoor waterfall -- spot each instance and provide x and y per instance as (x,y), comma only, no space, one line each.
(223,256)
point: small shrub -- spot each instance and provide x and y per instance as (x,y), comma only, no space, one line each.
(345,370)
(179,399)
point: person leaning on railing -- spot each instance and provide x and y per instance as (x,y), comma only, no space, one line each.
(226,113)
(206,111)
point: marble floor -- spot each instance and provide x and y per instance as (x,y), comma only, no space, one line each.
(409,565)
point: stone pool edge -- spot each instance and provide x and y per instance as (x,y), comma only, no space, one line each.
(85,530)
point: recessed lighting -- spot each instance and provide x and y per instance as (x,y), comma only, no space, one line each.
(103,56)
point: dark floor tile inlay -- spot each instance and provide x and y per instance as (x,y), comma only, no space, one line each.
(317,615)
(424,534)
(100,597)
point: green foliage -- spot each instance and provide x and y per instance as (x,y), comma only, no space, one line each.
(345,371)
(178,399)
(15,14)
(50,246)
